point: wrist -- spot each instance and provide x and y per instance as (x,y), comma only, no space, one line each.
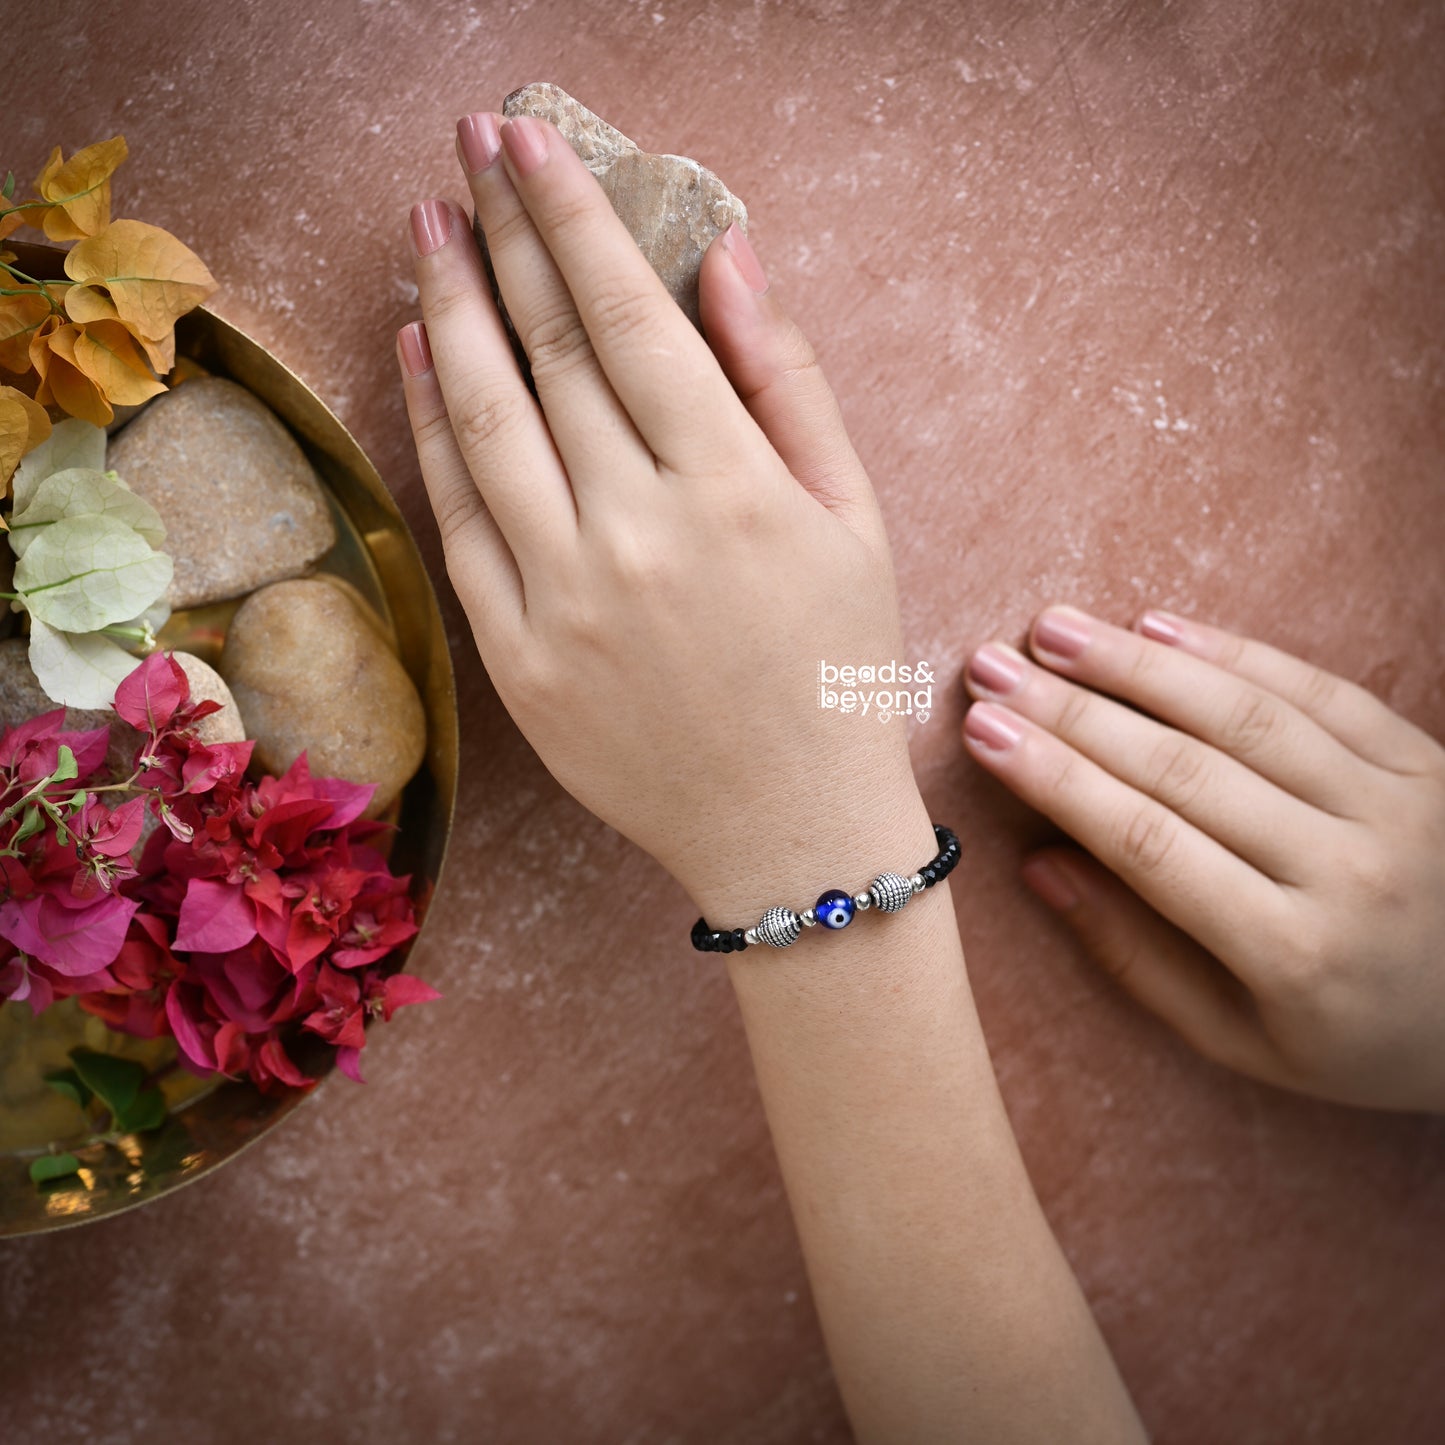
(791,861)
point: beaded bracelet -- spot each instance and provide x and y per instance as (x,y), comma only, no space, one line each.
(835,909)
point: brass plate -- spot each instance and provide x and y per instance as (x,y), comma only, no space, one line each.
(212,1122)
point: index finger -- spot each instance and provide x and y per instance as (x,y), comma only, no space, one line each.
(662,370)
(1361,721)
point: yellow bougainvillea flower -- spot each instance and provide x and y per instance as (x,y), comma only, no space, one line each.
(107,354)
(91,303)
(23,426)
(19,317)
(152,278)
(63,381)
(78,191)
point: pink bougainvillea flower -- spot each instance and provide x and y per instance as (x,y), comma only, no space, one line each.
(258,909)
(70,940)
(31,750)
(149,697)
(272,1066)
(215,917)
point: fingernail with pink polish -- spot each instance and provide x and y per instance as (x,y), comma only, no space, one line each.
(1065,634)
(431,226)
(1161,627)
(1049,881)
(994,669)
(991,727)
(526,142)
(479,140)
(741,250)
(415,349)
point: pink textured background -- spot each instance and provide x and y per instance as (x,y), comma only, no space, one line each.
(1125,304)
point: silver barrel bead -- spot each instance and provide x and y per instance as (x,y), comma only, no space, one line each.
(890,892)
(779,927)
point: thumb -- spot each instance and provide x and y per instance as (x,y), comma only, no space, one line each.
(775,372)
(1163,968)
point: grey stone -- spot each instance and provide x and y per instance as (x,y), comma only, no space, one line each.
(241,504)
(672,205)
(311,671)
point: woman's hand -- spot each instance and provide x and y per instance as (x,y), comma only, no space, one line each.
(1282,832)
(655,558)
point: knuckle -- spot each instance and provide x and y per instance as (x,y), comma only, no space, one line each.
(556,341)
(1177,773)
(799,357)
(445,304)
(1146,840)
(1318,690)
(458,511)
(1304,962)
(1120,958)
(527,679)
(432,433)
(1230,651)
(1139,667)
(636,563)
(575,211)
(1252,723)
(1059,779)
(484,417)
(1074,711)
(621,314)
(1375,881)
(745,510)
(507,229)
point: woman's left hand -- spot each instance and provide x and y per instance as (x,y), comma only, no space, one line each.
(1272,842)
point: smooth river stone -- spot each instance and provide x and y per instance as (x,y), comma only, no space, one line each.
(672,205)
(311,671)
(241,504)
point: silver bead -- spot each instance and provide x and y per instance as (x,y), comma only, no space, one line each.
(808,917)
(917,881)
(779,927)
(889,892)
(862,902)
(750,937)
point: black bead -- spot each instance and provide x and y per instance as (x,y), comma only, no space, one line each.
(727,943)
(930,877)
(740,941)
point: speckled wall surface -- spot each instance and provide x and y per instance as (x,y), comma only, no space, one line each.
(1125,304)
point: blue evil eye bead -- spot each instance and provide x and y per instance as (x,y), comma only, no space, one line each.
(834,909)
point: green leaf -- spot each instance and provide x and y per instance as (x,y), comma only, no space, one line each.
(53,1166)
(30,824)
(71,443)
(115,1081)
(76,492)
(69,1083)
(8,189)
(65,767)
(84,572)
(62,833)
(147,1112)
(77,669)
